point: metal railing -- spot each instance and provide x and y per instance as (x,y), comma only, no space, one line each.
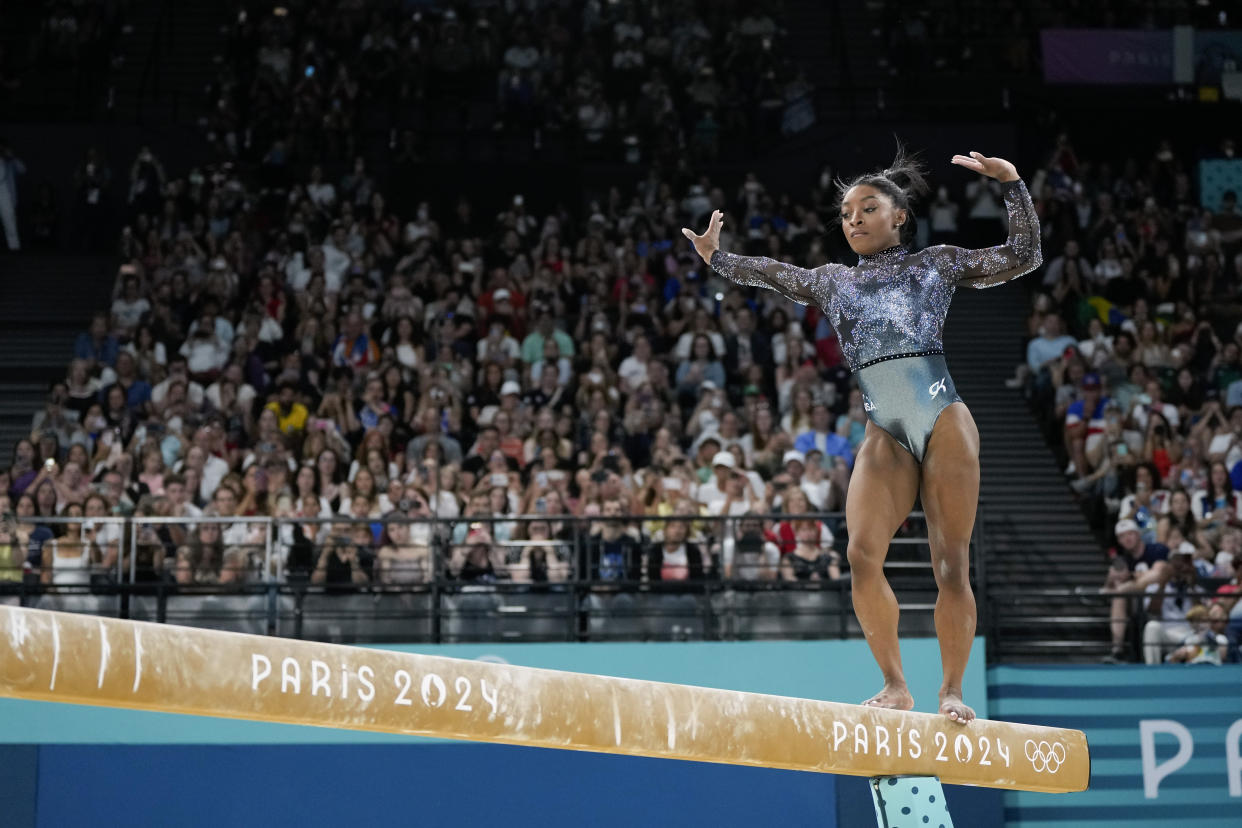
(271,576)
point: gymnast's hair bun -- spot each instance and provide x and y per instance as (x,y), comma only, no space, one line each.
(908,173)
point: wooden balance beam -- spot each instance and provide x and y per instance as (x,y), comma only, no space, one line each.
(81,659)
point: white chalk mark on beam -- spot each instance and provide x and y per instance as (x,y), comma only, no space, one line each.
(616,720)
(672,724)
(104,650)
(55,652)
(20,630)
(137,657)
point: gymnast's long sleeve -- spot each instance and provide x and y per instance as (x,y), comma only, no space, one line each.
(795,283)
(991,266)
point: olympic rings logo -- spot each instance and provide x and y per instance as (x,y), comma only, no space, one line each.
(1044,756)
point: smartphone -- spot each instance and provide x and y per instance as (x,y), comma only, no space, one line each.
(499,479)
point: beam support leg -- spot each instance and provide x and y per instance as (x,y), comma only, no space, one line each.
(909,802)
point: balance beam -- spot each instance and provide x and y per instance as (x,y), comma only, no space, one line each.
(81,659)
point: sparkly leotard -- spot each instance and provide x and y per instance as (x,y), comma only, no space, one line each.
(891,308)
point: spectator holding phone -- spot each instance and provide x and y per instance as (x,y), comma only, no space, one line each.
(478,560)
(339,567)
(749,555)
(1173,593)
(1217,505)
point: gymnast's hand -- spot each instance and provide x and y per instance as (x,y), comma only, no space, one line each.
(997,168)
(708,243)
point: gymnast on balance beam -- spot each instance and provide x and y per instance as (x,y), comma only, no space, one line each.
(888,312)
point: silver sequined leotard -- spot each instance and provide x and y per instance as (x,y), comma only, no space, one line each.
(893,305)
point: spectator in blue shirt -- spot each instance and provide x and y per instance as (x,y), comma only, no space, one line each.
(137,390)
(822,437)
(1084,423)
(1049,345)
(96,345)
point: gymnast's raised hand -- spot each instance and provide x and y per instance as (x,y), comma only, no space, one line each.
(997,168)
(709,242)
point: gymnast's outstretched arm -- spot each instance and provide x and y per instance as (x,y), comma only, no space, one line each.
(1020,254)
(793,282)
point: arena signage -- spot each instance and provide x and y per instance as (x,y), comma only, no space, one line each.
(1166,741)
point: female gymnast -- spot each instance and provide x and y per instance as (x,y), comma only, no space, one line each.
(888,312)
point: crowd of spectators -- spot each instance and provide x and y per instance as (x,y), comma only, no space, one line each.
(492,378)
(1135,366)
(483,394)
(623,79)
(65,55)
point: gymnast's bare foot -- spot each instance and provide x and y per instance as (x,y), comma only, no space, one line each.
(892,697)
(952,706)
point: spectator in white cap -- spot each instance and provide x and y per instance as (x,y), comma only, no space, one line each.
(794,464)
(816,484)
(738,495)
(715,491)
(1136,566)
(511,405)
(754,480)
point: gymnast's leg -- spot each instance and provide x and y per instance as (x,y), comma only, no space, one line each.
(950,494)
(881,493)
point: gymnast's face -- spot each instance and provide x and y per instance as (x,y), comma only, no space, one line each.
(869,220)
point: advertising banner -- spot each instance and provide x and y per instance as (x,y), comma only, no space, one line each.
(1107,56)
(1164,742)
